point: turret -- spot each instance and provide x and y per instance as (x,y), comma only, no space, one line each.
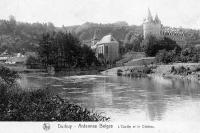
(157,20)
(149,17)
(150,26)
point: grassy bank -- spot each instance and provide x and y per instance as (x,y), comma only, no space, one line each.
(77,72)
(20,68)
(186,71)
(189,71)
(39,105)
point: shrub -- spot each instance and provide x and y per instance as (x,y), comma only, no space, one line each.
(166,56)
(190,54)
(41,105)
(119,72)
(8,76)
(181,70)
(147,70)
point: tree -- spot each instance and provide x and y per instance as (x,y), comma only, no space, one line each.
(63,50)
(151,44)
(12,24)
(166,56)
(132,41)
(154,45)
(190,54)
(136,42)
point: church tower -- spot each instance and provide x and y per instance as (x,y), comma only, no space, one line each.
(94,39)
(151,26)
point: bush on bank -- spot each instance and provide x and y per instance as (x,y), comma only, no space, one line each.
(40,105)
(181,70)
(136,72)
(189,54)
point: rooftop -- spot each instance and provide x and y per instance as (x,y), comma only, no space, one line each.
(107,39)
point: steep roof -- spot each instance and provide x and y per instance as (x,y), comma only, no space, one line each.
(149,17)
(157,20)
(107,39)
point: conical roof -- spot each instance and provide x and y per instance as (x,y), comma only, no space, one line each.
(157,20)
(149,17)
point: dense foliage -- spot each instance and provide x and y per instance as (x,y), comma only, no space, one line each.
(154,45)
(38,105)
(33,62)
(136,72)
(118,30)
(189,54)
(132,42)
(8,77)
(63,50)
(21,37)
(184,70)
(166,56)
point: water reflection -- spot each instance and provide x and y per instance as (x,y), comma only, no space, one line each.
(126,99)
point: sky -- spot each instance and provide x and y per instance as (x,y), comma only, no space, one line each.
(174,13)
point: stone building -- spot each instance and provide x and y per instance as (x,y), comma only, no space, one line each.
(154,27)
(107,48)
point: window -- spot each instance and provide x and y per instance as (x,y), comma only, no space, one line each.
(106,49)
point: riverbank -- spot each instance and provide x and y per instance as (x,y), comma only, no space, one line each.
(77,72)
(191,71)
(20,68)
(186,71)
(25,104)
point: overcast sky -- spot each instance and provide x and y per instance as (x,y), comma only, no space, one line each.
(175,13)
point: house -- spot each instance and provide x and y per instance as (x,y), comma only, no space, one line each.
(18,58)
(107,48)
(4,56)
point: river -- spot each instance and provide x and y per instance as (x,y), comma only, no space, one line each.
(125,99)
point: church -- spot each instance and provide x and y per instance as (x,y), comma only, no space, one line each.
(154,27)
(107,48)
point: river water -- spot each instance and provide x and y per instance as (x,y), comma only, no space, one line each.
(125,99)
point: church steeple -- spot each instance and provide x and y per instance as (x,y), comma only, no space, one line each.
(94,39)
(95,35)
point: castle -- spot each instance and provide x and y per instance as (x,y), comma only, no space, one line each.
(154,27)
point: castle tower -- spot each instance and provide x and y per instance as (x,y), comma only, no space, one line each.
(151,27)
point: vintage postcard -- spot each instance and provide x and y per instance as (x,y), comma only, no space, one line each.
(100,66)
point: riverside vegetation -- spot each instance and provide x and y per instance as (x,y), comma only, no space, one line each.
(18,104)
(170,60)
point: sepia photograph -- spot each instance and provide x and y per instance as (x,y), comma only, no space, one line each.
(64,63)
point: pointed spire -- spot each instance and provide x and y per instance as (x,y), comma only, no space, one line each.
(95,36)
(149,17)
(157,20)
(94,39)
